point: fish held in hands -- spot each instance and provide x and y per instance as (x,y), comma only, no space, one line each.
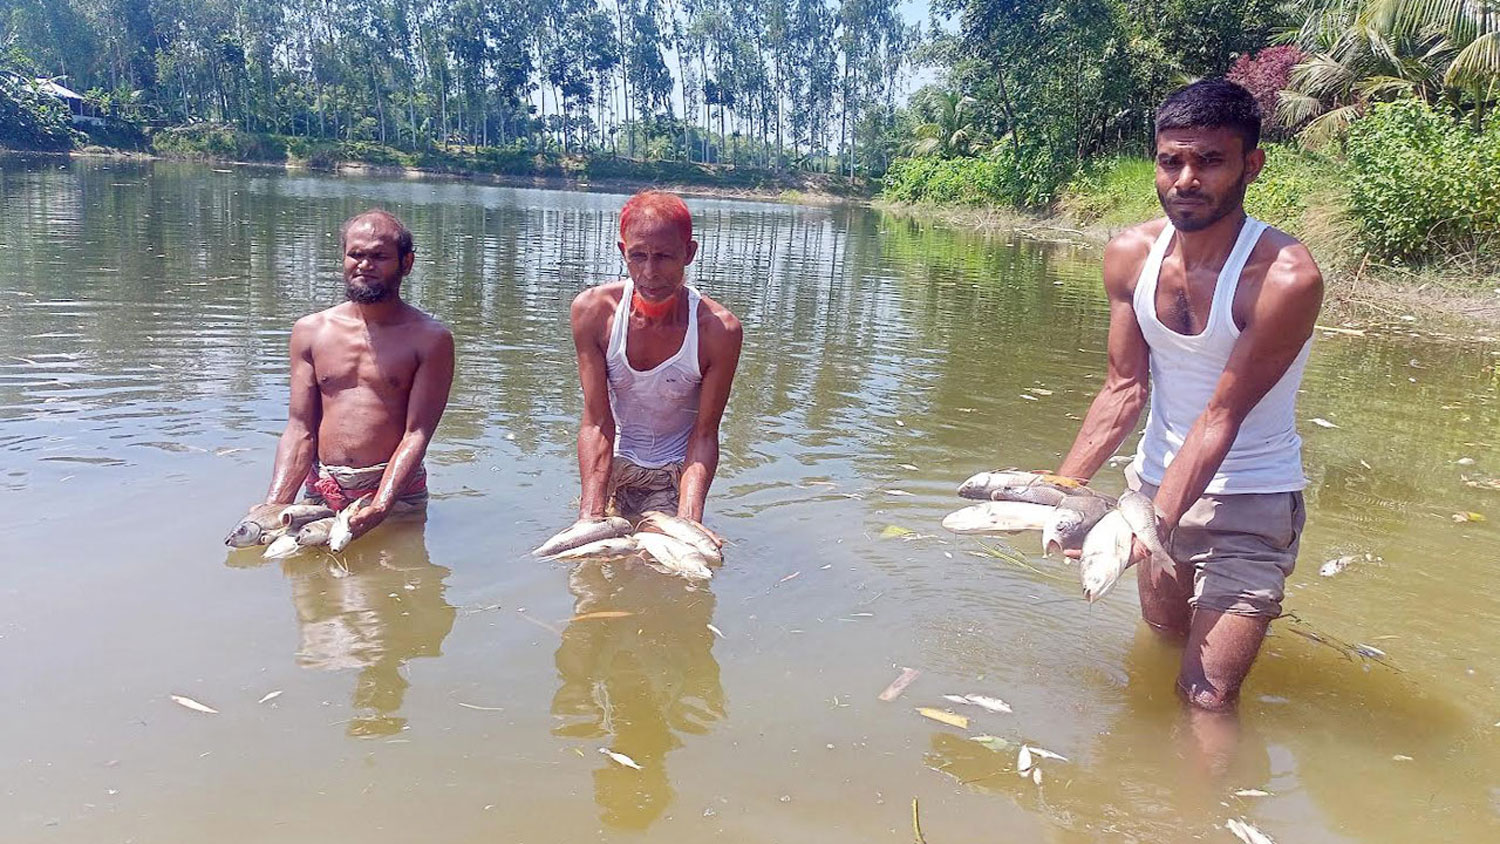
(687,530)
(1018,485)
(1072,519)
(603,549)
(583,533)
(673,556)
(294,516)
(998,517)
(339,533)
(258,527)
(1106,555)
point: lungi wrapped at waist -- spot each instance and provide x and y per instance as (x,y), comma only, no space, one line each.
(340,486)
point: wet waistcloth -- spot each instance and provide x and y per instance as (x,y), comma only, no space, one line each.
(340,486)
(1241,547)
(635,489)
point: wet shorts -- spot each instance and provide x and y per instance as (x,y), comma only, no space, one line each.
(635,489)
(1241,547)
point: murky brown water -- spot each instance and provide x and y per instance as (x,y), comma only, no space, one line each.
(437,690)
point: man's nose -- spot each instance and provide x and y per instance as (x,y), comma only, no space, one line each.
(1187,178)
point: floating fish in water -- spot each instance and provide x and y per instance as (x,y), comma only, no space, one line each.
(612,548)
(258,527)
(1106,555)
(1071,520)
(1338,564)
(294,516)
(998,517)
(686,530)
(339,534)
(1246,832)
(1017,485)
(1023,761)
(184,700)
(992,704)
(582,533)
(620,758)
(673,556)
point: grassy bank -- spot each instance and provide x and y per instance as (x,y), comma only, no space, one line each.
(1404,217)
(208,142)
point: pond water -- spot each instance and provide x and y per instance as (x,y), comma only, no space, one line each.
(433,682)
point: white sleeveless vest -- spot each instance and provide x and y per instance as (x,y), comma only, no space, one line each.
(654,410)
(1267,454)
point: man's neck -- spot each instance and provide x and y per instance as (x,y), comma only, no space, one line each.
(380,313)
(1210,247)
(655,313)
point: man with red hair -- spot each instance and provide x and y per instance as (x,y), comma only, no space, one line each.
(656,359)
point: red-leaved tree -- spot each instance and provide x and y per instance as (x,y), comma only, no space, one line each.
(1265,74)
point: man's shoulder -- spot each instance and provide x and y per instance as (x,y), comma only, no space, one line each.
(1134,243)
(598,300)
(714,317)
(1289,267)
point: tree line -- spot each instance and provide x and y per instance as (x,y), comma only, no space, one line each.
(814,84)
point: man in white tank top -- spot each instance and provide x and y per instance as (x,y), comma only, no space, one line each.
(656,359)
(1215,312)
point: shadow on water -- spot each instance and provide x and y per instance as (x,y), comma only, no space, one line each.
(371,609)
(636,684)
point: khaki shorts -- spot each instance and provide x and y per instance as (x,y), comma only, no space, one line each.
(634,489)
(1241,547)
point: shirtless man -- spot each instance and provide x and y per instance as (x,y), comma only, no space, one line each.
(370,379)
(656,359)
(1215,311)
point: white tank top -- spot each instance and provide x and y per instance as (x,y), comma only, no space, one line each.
(1267,453)
(654,410)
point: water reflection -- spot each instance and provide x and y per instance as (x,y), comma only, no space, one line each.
(636,684)
(371,609)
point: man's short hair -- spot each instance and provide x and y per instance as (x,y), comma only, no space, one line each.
(404,245)
(658,205)
(1211,104)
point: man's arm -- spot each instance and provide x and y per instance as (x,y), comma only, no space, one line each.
(722,357)
(1117,407)
(424,409)
(596,430)
(1280,321)
(299,440)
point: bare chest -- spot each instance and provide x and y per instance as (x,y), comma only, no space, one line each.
(358,361)
(1185,298)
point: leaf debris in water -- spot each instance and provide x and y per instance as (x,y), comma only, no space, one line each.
(1252,792)
(899,684)
(908,467)
(995,743)
(1468,517)
(194,705)
(270,696)
(480,708)
(791,576)
(942,717)
(602,614)
(896,532)
(620,758)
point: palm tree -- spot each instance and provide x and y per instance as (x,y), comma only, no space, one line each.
(949,129)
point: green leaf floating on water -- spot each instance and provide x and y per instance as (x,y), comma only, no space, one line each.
(995,743)
(896,532)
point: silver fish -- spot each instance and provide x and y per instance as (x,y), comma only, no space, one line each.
(1016,485)
(998,517)
(674,556)
(1071,520)
(294,516)
(284,546)
(1140,514)
(315,532)
(582,533)
(615,546)
(686,530)
(256,527)
(1106,555)
(339,534)
(1246,832)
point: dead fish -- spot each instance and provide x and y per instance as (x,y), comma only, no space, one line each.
(582,533)
(1246,832)
(1334,566)
(686,530)
(1071,520)
(284,545)
(673,556)
(256,527)
(1023,761)
(339,534)
(1140,514)
(1106,555)
(998,517)
(991,704)
(316,532)
(612,548)
(620,758)
(294,516)
(1017,485)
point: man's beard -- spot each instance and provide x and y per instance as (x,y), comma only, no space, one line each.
(1208,214)
(369,292)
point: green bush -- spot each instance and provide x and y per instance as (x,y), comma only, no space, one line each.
(1422,186)
(1115,191)
(218,141)
(1030,180)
